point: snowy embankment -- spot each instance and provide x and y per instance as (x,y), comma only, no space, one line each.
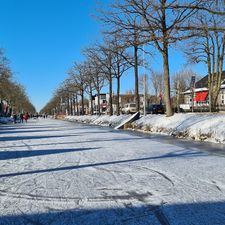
(197,126)
(5,120)
(203,127)
(104,120)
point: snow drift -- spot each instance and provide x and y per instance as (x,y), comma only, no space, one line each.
(197,126)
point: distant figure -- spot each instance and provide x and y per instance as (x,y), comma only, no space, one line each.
(21,117)
(26,116)
(14,118)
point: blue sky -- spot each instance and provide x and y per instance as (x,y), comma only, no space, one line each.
(42,38)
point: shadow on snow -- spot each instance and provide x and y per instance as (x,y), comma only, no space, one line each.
(26,131)
(18,138)
(73,142)
(205,213)
(177,154)
(31,153)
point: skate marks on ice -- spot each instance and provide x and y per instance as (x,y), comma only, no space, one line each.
(122,205)
(117,179)
(164,214)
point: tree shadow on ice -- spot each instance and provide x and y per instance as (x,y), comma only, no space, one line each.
(210,147)
(18,138)
(27,127)
(204,213)
(73,142)
(177,154)
(31,153)
(26,131)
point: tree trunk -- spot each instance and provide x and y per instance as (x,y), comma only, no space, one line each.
(91,101)
(71,106)
(68,106)
(110,85)
(74,105)
(214,102)
(165,54)
(209,92)
(137,99)
(178,96)
(118,97)
(78,111)
(110,94)
(82,102)
(167,81)
(99,108)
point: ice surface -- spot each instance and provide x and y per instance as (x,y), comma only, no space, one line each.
(57,172)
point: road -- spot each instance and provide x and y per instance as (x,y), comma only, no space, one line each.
(56,172)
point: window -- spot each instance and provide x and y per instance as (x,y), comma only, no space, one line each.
(102,97)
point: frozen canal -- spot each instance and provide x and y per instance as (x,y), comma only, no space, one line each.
(55,172)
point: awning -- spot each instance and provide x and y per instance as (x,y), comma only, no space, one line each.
(201,96)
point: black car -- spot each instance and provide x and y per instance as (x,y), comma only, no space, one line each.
(155,109)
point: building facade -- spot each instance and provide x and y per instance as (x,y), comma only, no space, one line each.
(198,96)
(104,102)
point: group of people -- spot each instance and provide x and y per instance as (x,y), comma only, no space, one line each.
(22,117)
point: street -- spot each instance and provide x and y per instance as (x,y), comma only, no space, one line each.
(56,172)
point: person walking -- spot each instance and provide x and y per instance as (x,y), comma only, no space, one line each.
(26,116)
(14,118)
(21,117)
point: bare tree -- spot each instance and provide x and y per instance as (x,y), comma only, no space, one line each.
(157,82)
(54,106)
(160,24)
(211,7)
(11,91)
(104,54)
(95,66)
(125,26)
(121,66)
(181,82)
(77,75)
(90,87)
(208,46)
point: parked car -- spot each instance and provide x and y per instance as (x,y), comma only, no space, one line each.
(129,108)
(155,109)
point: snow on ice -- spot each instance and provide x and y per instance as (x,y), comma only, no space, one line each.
(58,172)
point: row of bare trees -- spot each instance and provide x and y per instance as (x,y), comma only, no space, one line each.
(104,62)
(134,26)
(12,92)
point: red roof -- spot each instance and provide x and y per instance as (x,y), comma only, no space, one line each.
(201,96)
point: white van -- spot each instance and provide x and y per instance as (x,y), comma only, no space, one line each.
(129,108)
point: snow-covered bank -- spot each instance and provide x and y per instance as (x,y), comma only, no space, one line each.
(5,120)
(204,127)
(104,120)
(197,126)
